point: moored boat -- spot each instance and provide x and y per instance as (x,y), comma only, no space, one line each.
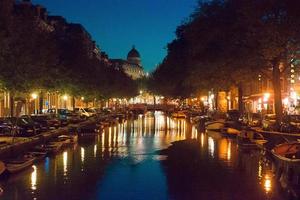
(73,138)
(37,155)
(231,129)
(214,125)
(250,139)
(2,168)
(19,164)
(51,148)
(54,147)
(178,114)
(288,152)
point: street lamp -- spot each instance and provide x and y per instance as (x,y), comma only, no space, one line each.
(266,96)
(34,95)
(65,98)
(265,100)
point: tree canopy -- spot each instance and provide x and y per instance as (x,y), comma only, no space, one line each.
(230,42)
(35,55)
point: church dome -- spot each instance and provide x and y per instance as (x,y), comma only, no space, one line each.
(133,53)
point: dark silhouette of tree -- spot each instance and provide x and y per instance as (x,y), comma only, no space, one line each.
(28,57)
(230,42)
(36,55)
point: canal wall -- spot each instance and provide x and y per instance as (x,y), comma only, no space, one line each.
(19,145)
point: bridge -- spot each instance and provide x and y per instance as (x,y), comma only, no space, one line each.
(151,107)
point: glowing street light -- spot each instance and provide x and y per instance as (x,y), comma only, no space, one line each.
(34,96)
(65,97)
(266,96)
(286,101)
(82,98)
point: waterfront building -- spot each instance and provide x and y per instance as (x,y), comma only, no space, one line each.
(132,66)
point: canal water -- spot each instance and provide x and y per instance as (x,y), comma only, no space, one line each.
(123,163)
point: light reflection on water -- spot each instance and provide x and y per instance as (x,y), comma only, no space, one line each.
(33,178)
(65,162)
(121,162)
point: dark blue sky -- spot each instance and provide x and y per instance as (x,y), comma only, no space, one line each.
(116,25)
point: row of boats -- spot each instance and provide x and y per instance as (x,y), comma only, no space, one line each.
(39,152)
(283,150)
(36,154)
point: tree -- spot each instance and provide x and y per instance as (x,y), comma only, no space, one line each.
(28,57)
(231,42)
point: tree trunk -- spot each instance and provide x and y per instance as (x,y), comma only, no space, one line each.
(12,104)
(277,92)
(240,98)
(216,95)
(41,102)
(73,103)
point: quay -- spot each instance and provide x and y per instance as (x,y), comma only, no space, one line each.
(16,145)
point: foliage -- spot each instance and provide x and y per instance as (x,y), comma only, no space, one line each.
(36,56)
(230,42)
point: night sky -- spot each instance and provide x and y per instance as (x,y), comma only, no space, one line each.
(116,25)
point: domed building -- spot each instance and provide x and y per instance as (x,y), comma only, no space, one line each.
(132,66)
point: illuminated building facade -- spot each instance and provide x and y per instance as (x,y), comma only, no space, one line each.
(132,66)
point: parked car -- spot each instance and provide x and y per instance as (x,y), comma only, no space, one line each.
(85,112)
(233,115)
(6,126)
(244,119)
(290,124)
(48,120)
(41,120)
(255,120)
(63,121)
(106,111)
(269,122)
(23,126)
(66,116)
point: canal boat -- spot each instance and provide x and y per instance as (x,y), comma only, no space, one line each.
(230,132)
(2,168)
(51,148)
(214,126)
(89,129)
(65,140)
(231,129)
(250,139)
(195,119)
(72,138)
(37,155)
(178,114)
(287,152)
(54,147)
(19,164)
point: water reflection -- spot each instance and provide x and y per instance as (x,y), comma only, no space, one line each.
(121,163)
(82,156)
(95,150)
(33,178)
(267,183)
(65,162)
(211,146)
(202,140)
